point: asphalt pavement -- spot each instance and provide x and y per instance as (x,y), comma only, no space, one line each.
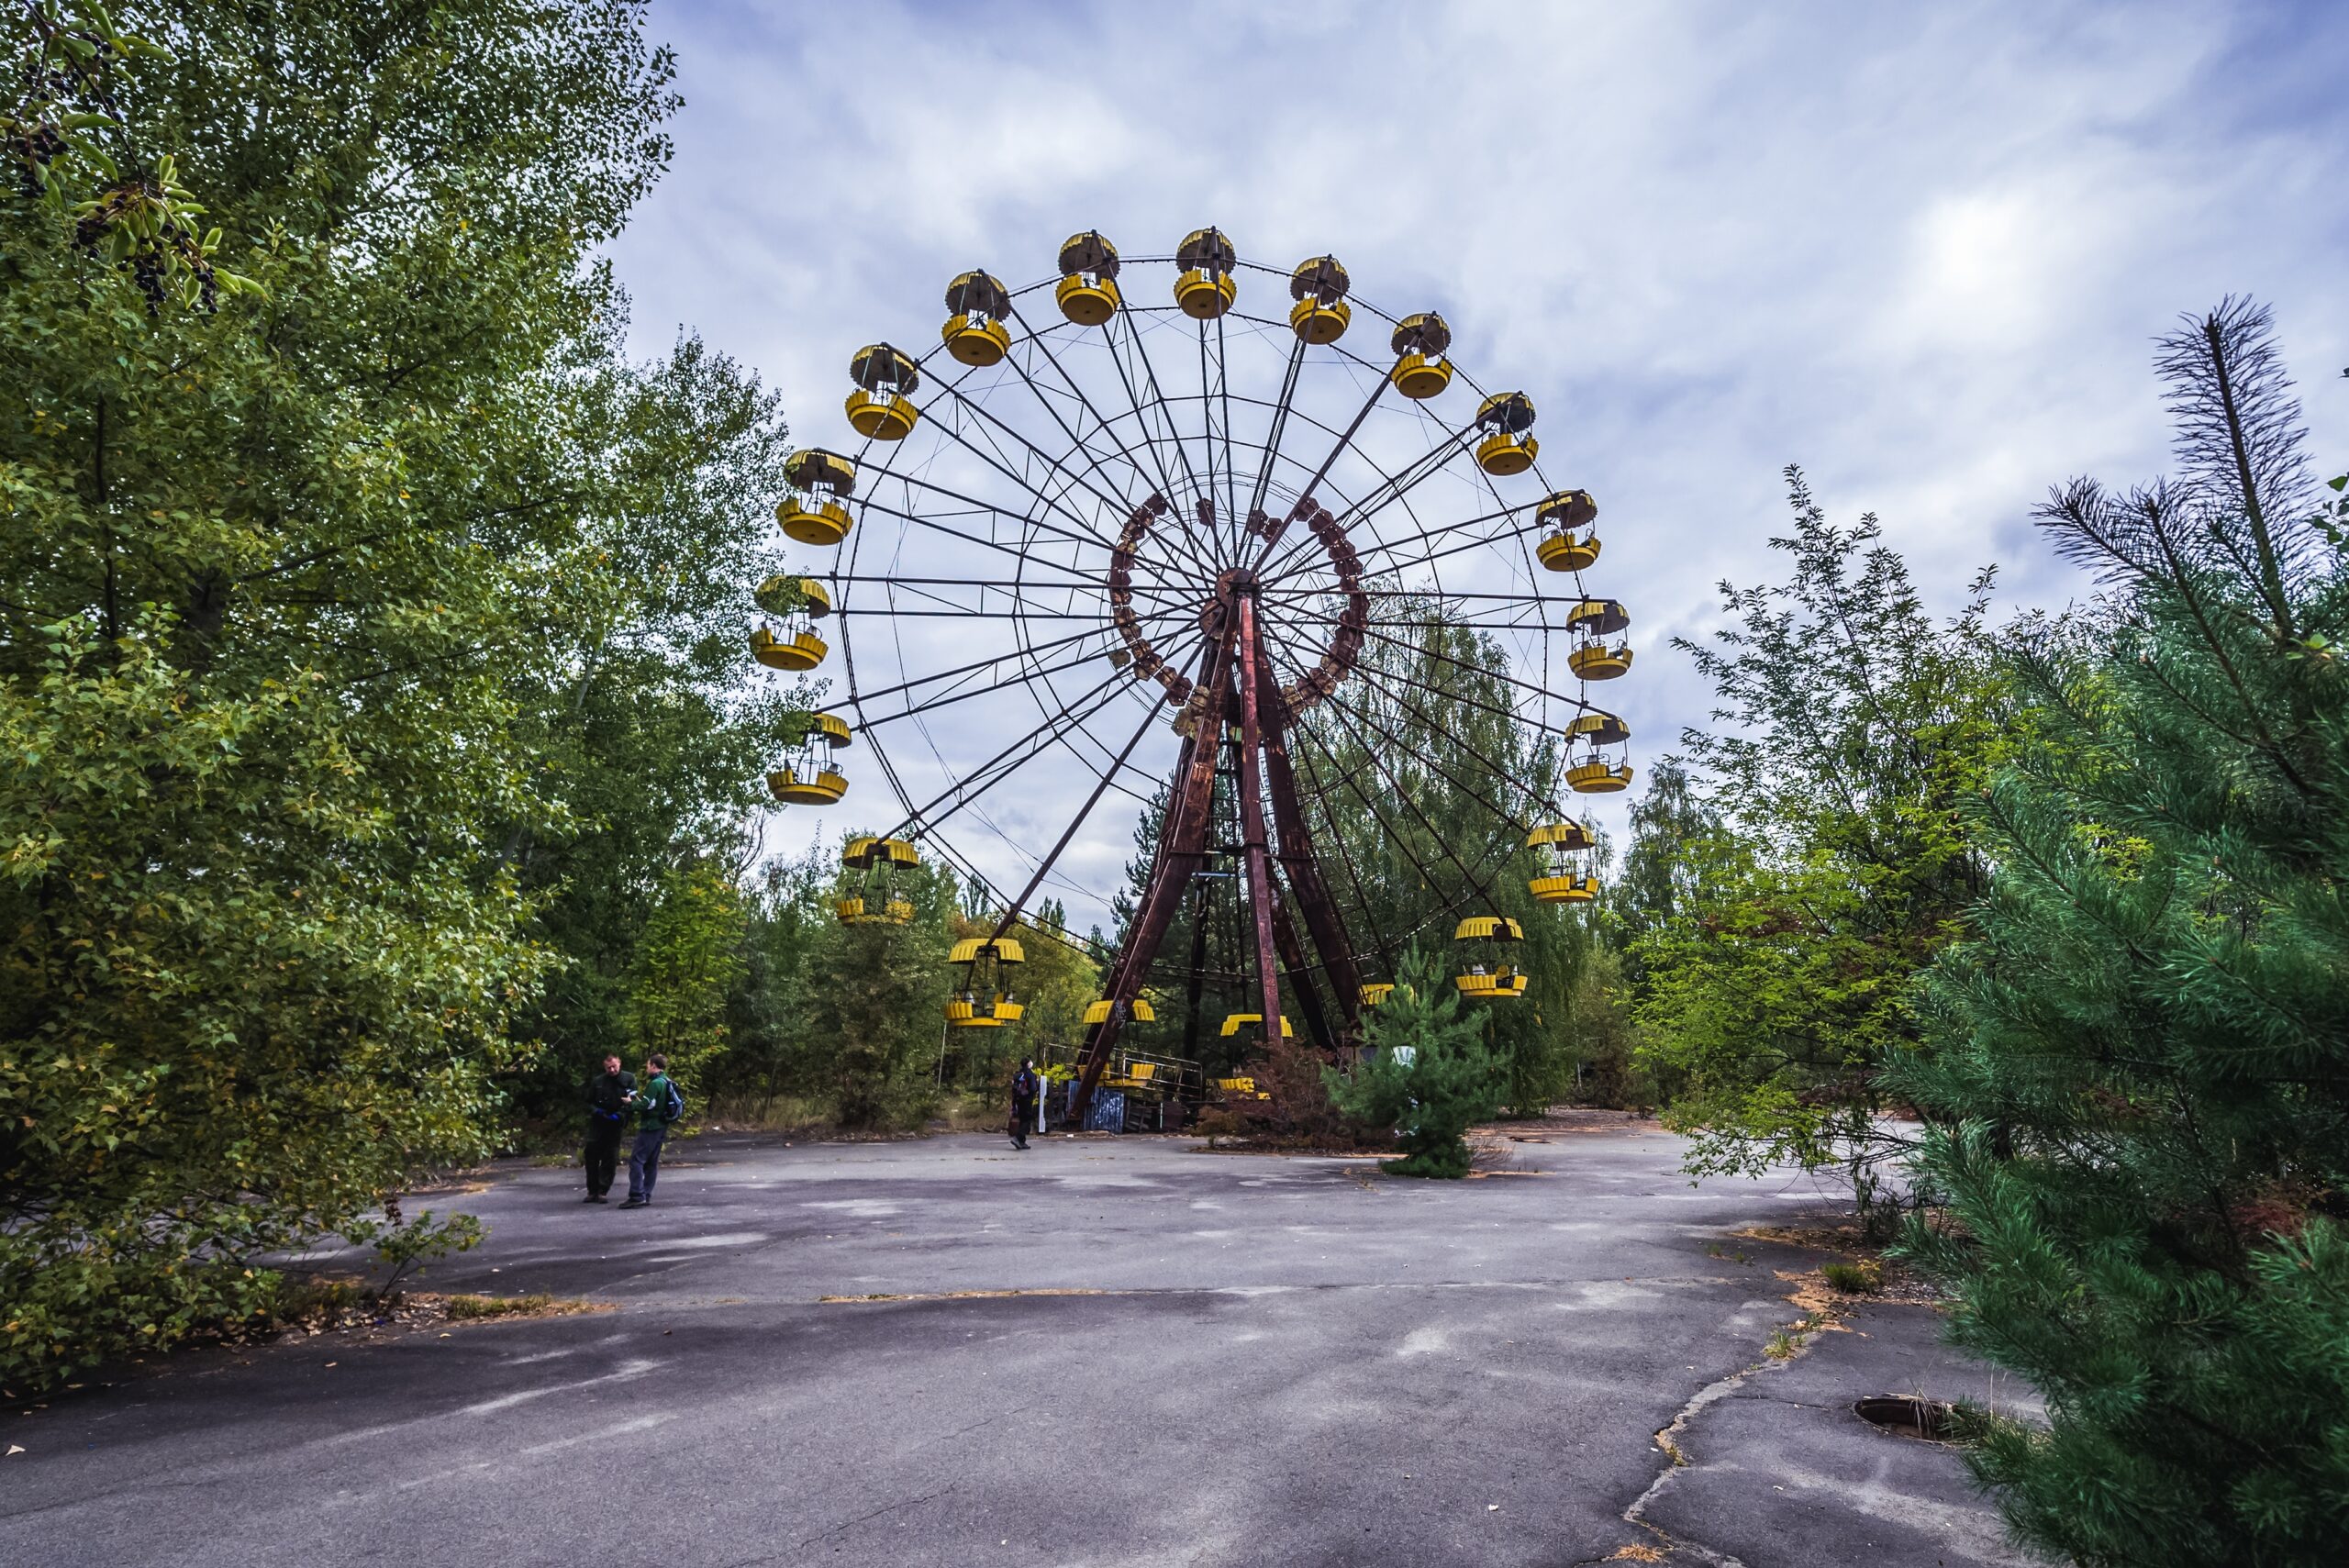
(1099,1353)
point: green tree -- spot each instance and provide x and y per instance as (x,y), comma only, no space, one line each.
(688,960)
(1426,1072)
(2139,1084)
(70,145)
(1784,975)
(656,729)
(1662,867)
(271,582)
(1600,1033)
(767,1048)
(875,1022)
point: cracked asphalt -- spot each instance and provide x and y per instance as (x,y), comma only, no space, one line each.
(1163,1357)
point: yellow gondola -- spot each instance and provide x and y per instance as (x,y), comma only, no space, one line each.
(1490,970)
(816,512)
(798,651)
(1088,292)
(868,888)
(1233,1023)
(1592,658)
(1562,883)
(1137,1010)
(1574,546)
(1127,1073)
(882,406)
(1207,287)
(1321,312)
(809,776)
(1507,449)
(1597,777)
(797,603)
(974,333)
(1597,773)
(984,998)
(1375,991)
(1421,370)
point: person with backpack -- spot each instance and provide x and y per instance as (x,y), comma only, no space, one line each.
(1024,1090)
(608,1094)
(657,1104)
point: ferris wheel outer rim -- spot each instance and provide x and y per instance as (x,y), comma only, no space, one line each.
(1533,574)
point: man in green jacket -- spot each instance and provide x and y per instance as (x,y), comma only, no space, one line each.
(657,1104)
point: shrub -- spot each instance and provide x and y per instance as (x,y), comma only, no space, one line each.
(1426,1072)
(1855,1279)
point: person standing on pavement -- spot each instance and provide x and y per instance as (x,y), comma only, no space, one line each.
(608,1094)
(658,1104)
(1024,1089)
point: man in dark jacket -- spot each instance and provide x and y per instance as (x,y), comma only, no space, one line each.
(608,1094)
(657,1104)
(1024,1089)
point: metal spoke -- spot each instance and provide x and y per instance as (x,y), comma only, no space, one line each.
(1158,398)
(1165,482)
(1371,754)
(1443,658)
(983,664)
(1090,536)
(1429,761)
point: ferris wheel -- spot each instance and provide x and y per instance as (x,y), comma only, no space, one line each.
(1152,529)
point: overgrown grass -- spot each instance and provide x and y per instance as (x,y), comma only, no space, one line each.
(463,1307)
(307,1300)
(1863,1278)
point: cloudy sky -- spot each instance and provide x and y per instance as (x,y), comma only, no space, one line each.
(1919,251)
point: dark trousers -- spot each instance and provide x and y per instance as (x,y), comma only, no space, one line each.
(602,1156)
(644,1162)
(1023,1119)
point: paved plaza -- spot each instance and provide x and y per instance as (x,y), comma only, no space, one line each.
(1100,1352)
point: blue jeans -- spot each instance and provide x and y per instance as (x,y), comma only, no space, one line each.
(644,1163)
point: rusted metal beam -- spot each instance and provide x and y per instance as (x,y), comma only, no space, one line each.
(1300,979)
(1182,840)
(1258,853)
(1298,865)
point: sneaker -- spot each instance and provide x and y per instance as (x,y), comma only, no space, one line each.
(597,1197)
(634,1203)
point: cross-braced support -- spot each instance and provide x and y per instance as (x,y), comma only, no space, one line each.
(1242,708)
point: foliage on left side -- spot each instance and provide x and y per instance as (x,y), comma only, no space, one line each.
(305,579)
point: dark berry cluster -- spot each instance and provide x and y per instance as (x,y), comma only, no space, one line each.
(31,149)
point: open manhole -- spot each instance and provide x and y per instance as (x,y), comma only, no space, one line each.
(1905,1414)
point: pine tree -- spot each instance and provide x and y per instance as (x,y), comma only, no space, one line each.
(1426,1073)
(2141,1081)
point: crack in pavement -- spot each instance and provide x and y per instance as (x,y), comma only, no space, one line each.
(1734,1384)
(862,1518)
